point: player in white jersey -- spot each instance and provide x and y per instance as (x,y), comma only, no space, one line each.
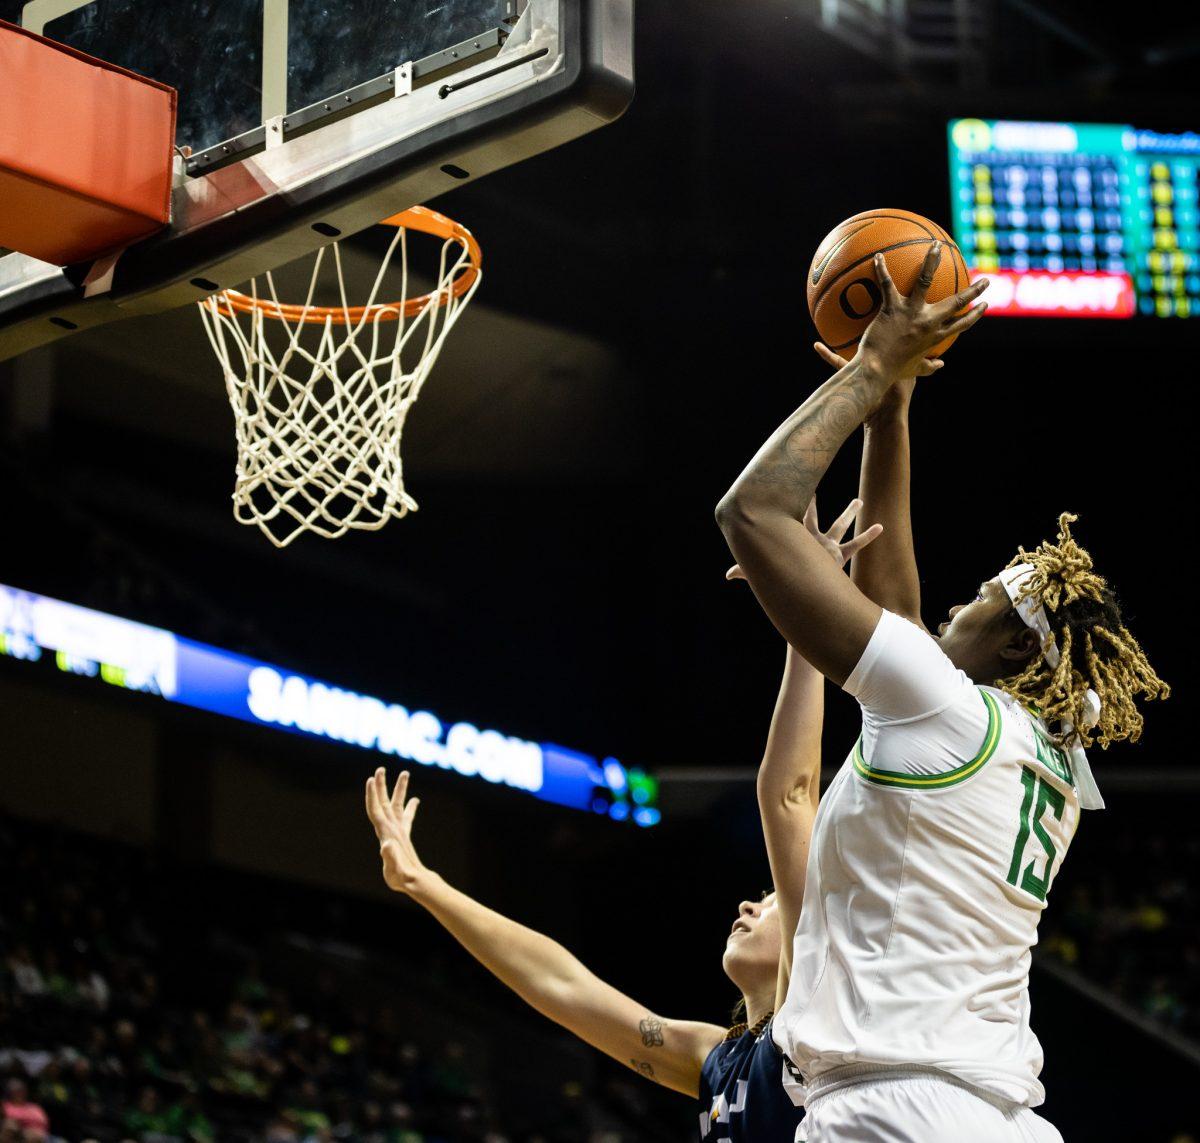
(907,1015)
(736,1072)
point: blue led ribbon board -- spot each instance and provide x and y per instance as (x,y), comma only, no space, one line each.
(133,656)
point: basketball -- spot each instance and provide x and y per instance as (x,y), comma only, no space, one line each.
(843,294)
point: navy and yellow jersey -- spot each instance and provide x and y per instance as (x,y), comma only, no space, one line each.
(742,1099)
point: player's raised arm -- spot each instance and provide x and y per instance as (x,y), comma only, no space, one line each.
(535,967)
(887,573)
(789,777)
(817,609)
(789,784)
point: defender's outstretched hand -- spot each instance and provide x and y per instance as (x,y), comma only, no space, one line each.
(906,328)
(536,967)
(392,818)
(831,540)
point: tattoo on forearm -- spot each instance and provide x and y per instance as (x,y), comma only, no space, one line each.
(652,1032)
(803,448)
(644,1068)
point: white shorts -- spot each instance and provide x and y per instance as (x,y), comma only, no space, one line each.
(902,1106)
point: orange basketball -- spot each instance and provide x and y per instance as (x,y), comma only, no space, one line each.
(843,294)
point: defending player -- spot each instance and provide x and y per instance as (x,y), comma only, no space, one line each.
(907,1014)
(736,1072)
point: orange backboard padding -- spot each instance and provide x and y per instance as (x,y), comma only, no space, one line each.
(85,151)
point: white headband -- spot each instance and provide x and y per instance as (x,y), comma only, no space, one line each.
(1033,614)
(1029,609)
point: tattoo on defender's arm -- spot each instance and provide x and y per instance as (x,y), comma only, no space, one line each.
(651,1029)
(643,1068)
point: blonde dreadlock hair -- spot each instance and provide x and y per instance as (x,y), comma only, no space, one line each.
(1096,649)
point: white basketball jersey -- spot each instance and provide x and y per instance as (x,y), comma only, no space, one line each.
(932,855)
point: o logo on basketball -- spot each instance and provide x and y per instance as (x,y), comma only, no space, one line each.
(874,297)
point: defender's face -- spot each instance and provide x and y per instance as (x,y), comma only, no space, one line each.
(754,943)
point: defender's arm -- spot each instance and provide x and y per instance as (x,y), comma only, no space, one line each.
(535,967)
(789,783)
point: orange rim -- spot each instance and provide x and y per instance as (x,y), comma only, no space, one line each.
(415,218)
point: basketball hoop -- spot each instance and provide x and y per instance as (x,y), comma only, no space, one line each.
(320,393)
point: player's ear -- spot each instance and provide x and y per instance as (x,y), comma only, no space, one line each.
(1020,645)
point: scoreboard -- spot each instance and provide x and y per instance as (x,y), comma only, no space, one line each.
(1078,219)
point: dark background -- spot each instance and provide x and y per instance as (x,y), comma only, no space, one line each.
(563,578)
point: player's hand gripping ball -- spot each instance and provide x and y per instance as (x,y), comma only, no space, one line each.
(843,293)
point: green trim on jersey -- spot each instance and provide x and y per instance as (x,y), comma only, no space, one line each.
(935,781)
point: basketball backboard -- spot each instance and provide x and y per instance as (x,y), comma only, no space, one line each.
(301,122)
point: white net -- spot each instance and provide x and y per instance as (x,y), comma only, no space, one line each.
(320,394)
